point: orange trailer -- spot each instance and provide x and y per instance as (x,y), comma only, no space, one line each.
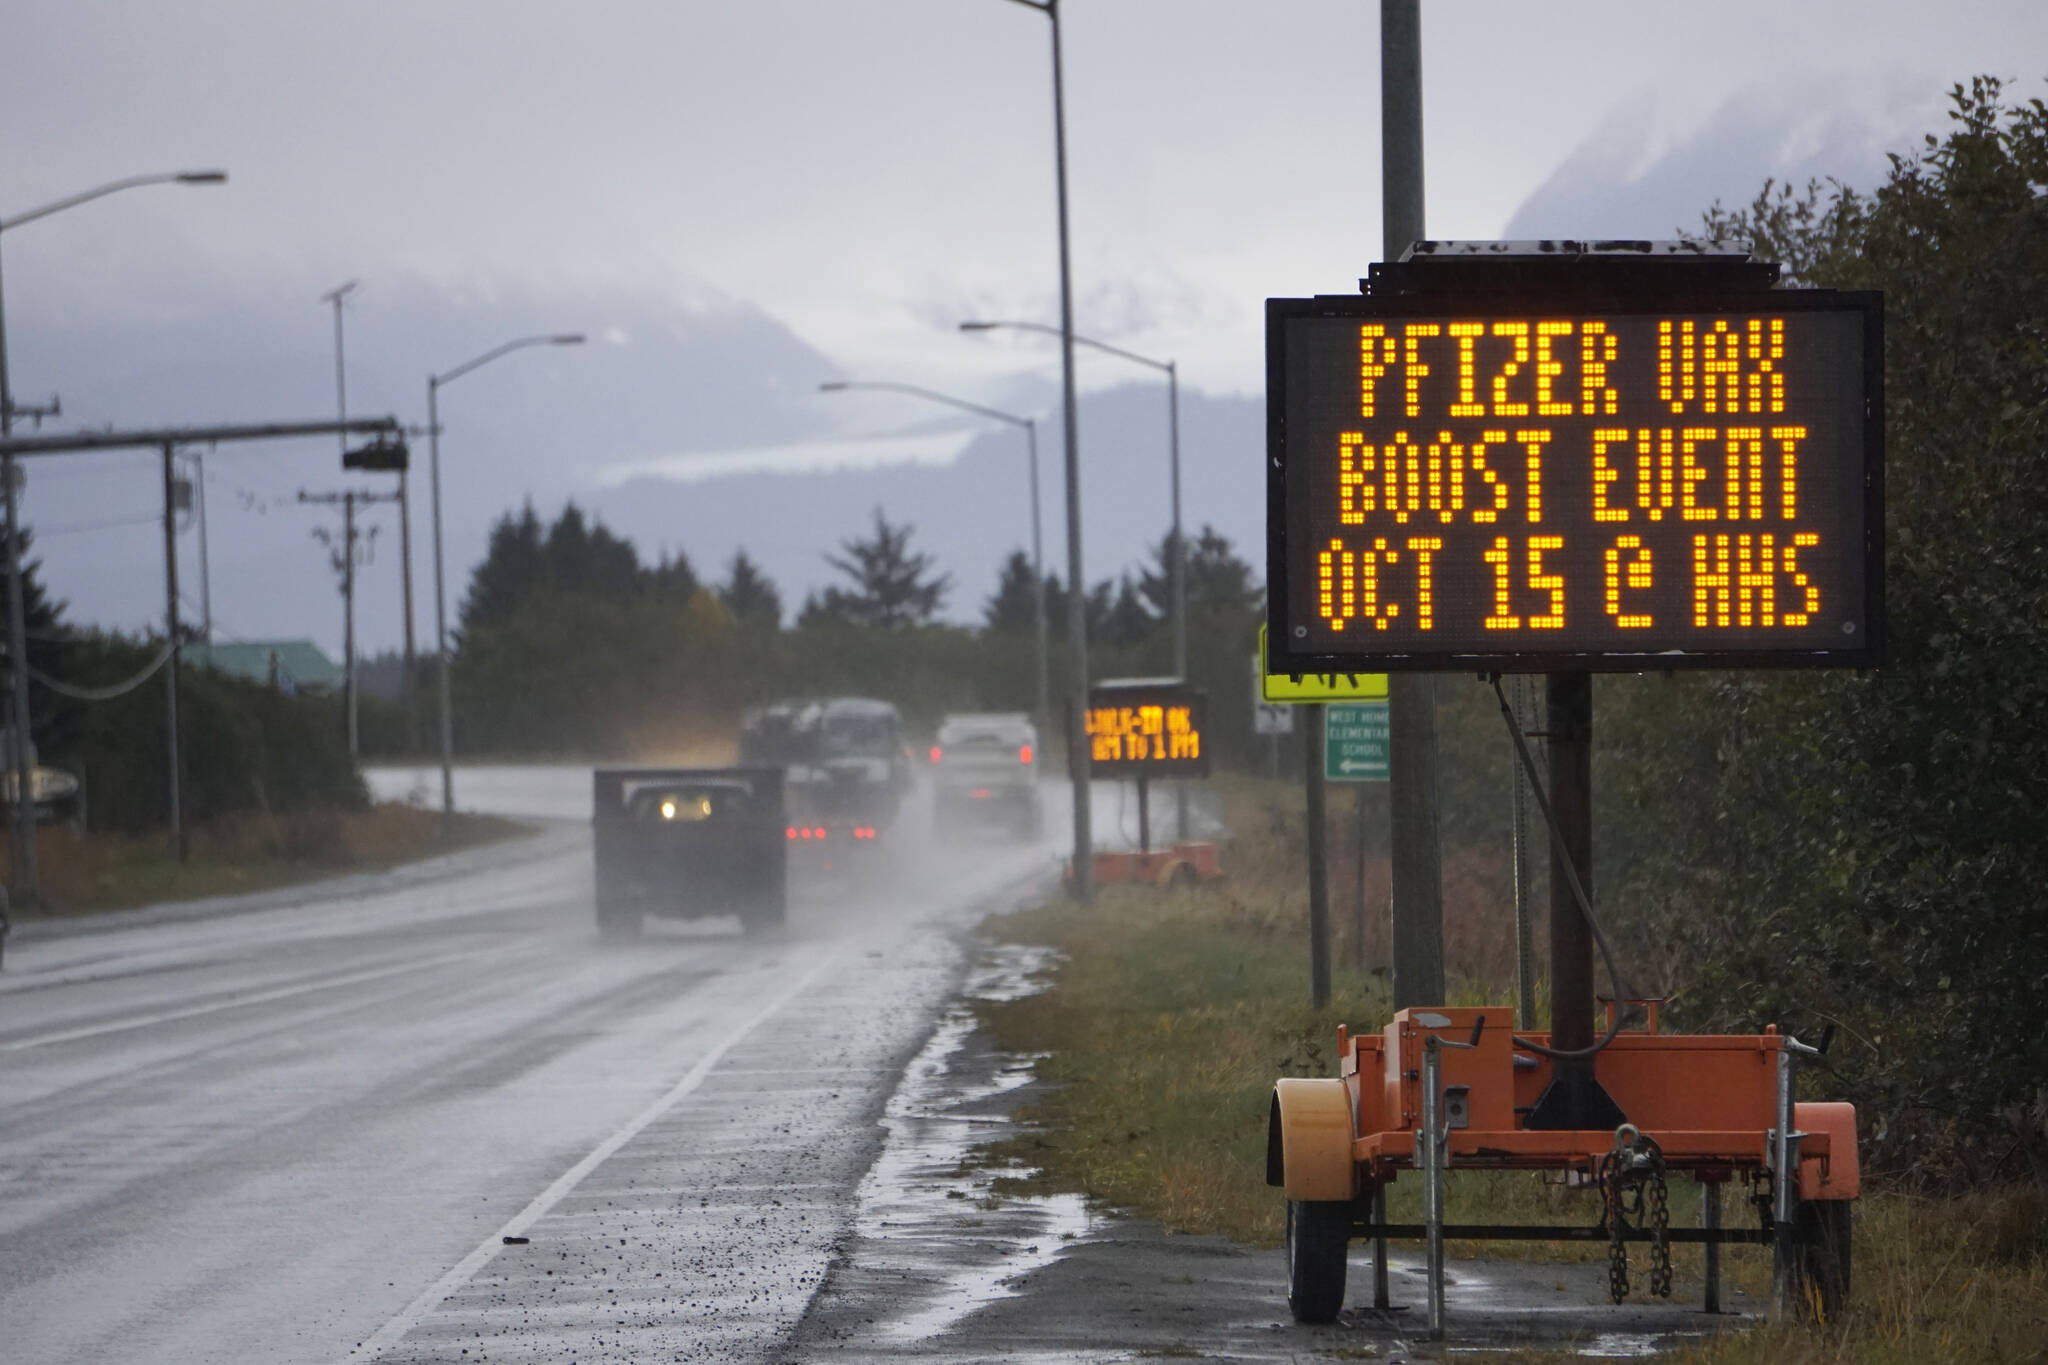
(1715,1107)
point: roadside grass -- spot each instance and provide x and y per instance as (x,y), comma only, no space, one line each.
(1171,1014)
(85,873)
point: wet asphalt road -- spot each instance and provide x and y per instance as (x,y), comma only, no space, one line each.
(301,1129)
(430,1116)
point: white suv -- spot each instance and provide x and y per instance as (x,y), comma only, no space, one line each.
(985,775)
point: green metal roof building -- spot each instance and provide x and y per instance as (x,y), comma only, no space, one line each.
(289,664)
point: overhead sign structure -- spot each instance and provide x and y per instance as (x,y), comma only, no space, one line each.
(1575,479)
(1279,688)
(1355,740)
(1147,728)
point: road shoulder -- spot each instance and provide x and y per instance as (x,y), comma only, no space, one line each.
(544,840)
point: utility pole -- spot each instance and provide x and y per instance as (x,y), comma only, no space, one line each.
(412,710)
(1318,859)
(1418,948)
(28,887)
(348,502)
(172,631)
(198,506)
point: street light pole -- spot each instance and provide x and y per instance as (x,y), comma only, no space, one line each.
(434,383)
(1030,425)
(1077,583)
(335,296)
(22,827)
(1177,565)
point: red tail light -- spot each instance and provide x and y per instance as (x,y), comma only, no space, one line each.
(936,752)
(1024,754)
(979,794)
(791,831)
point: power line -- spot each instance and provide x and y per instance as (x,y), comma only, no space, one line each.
(101,524)
(127,685)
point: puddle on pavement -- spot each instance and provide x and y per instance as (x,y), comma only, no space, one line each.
(1487,1304)
(936,1230)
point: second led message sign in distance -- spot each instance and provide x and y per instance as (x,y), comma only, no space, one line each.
(1147,728)
(1487,485)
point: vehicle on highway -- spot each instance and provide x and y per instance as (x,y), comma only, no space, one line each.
(686,843)
(985,775)
(846,768)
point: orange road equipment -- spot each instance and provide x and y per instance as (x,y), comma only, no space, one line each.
(1716,1107)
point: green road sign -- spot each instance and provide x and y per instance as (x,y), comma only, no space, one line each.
(1355,742)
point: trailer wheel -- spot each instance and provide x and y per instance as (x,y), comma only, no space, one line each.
(1317,1231)
(1821,1261)
(617,922)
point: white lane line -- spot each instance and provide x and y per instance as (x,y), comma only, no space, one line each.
(394,1331)
(238,1002)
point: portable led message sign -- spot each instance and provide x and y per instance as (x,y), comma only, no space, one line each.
(1574,479)
(1148,727)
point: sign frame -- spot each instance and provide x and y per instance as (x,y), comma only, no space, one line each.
(1140,692)
(1578,293)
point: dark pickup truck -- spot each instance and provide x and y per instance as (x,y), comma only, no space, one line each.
(686,843)
(845,766)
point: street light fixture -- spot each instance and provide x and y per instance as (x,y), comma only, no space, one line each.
(27,881)
(1030,426)
(434,383)
(1077,594)
(1177,571)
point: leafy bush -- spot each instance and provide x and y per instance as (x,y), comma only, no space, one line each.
(243,746)
(1865,848)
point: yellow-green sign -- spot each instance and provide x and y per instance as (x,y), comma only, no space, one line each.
(1318,687)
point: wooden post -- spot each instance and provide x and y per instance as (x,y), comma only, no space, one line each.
(1318,862)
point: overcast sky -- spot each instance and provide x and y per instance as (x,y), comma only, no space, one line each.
(847,180)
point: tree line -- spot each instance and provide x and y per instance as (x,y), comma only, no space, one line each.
(1864,849)
(569,644)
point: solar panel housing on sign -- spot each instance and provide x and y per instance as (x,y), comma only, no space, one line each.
(1533,465)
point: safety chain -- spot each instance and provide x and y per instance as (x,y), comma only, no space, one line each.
(1633,1192)
(1617,1250)
(1660,1225)
(1611,1177)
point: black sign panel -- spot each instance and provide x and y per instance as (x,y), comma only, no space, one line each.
(1148,728)
(1491,483)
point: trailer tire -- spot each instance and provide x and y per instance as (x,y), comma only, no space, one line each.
(1317,1233)
(764,920)
(1822,1260)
